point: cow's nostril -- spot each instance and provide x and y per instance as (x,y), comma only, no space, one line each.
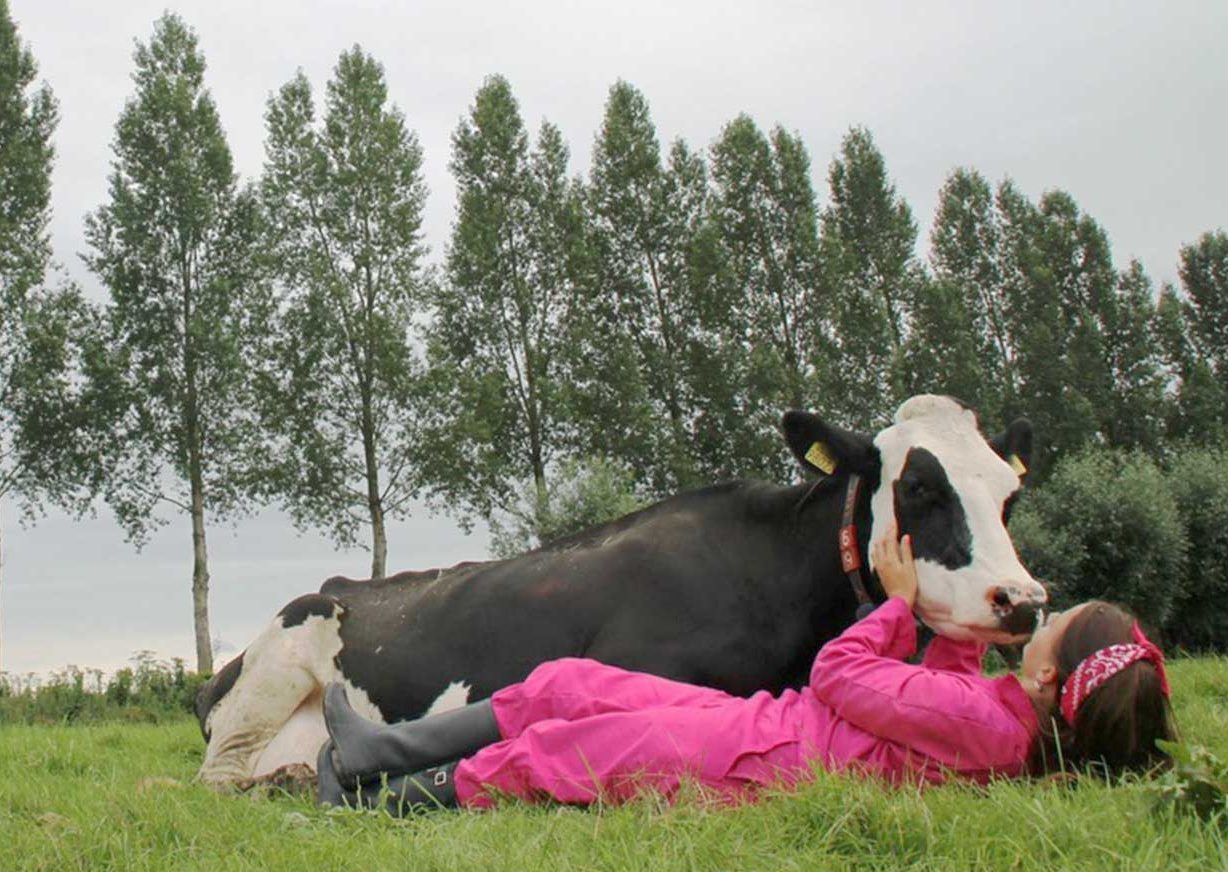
(1001,598)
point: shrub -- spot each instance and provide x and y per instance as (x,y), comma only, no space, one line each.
(1199,481)
(1106,525)
(582,494)
(151,690)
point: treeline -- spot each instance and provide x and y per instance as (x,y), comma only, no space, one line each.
(288,340)
(149,691)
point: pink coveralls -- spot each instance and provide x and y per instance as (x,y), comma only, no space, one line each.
(576,730)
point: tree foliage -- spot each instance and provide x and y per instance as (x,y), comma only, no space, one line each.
(642,308)
(868,236)
(174,246)
(45,451)
(28,117)
(636,332)
(961,342)
(27,120)
(581,494)
(501,333)
(1195,327)
(343,200)
(772,323)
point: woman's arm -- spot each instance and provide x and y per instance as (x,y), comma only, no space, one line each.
(949,717)
(938,714)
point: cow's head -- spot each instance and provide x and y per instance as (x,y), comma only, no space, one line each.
(951,490)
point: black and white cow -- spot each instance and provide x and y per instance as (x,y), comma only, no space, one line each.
(735,586)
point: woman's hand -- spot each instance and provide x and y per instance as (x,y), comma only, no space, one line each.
(894,564)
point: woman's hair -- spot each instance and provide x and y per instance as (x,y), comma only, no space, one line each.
(1117,725)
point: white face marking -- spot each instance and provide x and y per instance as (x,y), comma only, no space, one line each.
(454,696)
(956,603)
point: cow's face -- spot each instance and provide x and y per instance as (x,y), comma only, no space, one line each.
(950,490)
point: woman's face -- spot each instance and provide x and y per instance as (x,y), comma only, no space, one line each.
(1041,649)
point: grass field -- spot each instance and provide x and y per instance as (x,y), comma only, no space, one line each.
(81,797)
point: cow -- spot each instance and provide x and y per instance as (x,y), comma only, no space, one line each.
(734,586)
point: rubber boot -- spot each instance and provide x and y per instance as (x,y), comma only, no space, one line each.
(430,789)
(329,790)
(401,795)
(362,749)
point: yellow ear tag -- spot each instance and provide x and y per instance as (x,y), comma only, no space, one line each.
(1017,465)
(819,456)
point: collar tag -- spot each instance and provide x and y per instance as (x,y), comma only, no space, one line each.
(850,554)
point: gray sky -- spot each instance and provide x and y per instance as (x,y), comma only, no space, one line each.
(1122,104)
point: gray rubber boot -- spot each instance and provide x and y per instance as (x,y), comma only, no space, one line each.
(402,795)
(362,749)
(328,787)
(427,790)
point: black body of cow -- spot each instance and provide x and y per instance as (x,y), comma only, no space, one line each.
(734,586)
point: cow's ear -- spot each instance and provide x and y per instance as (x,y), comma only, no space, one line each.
(1014,445)
(826,449)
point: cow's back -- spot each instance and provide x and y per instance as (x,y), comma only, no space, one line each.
(656,594)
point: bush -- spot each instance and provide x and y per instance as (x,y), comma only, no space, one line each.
(151,690)
(1199,481)
(582,494)
(1106,525)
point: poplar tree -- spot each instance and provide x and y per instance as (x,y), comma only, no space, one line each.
(944,352)
(1197,404)
(344,199)
(1204,278)
(766,219)
(645,214)
(174,246)
(868,236)
(45,451)
(500,343)
(47,333)
(1059,278)
(963,319)
(1136,414)
(27,121)
(1192,331)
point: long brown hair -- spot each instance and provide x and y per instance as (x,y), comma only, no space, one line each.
(1118,724)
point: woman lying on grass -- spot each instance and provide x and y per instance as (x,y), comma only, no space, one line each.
(1092,691)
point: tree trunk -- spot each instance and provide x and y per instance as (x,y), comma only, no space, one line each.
(1,610)
(200,578)
(379,541)
(375,505)
(196,483)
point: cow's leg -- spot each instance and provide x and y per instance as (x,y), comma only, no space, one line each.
(271,715)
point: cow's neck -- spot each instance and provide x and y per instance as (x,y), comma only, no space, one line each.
(822,518)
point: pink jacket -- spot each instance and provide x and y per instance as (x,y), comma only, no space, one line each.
(897,719)
(576,730)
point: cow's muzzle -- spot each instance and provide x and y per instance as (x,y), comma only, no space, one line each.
(1017,606)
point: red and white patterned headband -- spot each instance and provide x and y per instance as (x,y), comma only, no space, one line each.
(1097,668)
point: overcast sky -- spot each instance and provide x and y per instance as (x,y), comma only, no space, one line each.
(1121,104)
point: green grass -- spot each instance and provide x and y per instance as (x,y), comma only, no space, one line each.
(70,799)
